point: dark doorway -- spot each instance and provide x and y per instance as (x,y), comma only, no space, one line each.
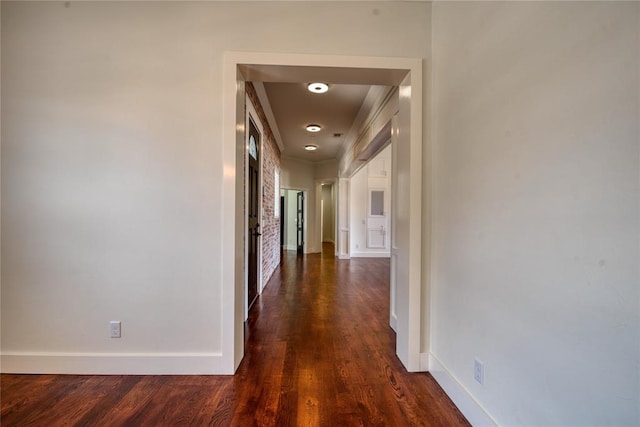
(253,209)
(300,222)
(282,220)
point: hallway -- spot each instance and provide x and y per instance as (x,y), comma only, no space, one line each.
(324,325)
(319,352)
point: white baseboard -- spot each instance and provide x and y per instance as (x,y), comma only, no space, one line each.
(370,255)
(115,363)
(394,323)
(463,399)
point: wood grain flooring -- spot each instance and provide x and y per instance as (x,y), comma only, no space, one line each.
(319,352)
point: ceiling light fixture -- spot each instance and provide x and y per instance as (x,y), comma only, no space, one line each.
(313,128)
(310,147)
(318,87)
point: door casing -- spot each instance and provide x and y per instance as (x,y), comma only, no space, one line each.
(412,306)
(252,115)
(254,194)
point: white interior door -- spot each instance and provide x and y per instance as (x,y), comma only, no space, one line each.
(377,213)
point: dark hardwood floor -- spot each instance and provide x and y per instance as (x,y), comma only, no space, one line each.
(319,352)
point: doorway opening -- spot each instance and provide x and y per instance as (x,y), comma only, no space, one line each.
(328,213)
(292,218)
(406,74)
(253,212)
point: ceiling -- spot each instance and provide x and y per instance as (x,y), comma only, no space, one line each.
(294,107)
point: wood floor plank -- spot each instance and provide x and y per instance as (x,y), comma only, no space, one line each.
(319,352)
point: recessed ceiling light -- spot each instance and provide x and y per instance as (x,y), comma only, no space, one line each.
(310,147)
(313,128)
(318,87)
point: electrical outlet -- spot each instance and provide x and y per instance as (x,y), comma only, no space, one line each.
(115,329)
(357,246)
(478,371)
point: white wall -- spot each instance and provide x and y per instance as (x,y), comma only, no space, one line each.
(111,168)
(536,229)
(111,187)
(327,169)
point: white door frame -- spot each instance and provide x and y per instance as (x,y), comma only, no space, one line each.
(403,72)
(250,112)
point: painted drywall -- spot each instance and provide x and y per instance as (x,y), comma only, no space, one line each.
(111,167)
(536,208)
(326,170)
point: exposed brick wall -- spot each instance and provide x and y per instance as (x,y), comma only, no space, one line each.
(270,226)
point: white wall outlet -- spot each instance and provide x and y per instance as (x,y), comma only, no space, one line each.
(115,329)
(478,371)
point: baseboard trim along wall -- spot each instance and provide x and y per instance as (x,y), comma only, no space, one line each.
(470,408)
(114,363)
(370,254)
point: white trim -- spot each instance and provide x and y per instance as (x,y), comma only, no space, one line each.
(268,112)
(424,362)
(252,113)
(413,85)
(375,96)
(378,108)
(115,363)
(371,254)
(404,72)
(343,218)
(232,232)
(463,399)
(284,1)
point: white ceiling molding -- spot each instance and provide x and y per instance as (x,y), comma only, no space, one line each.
(273,73)
(266,107)
(374,96)
(326,1)
(377,108)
